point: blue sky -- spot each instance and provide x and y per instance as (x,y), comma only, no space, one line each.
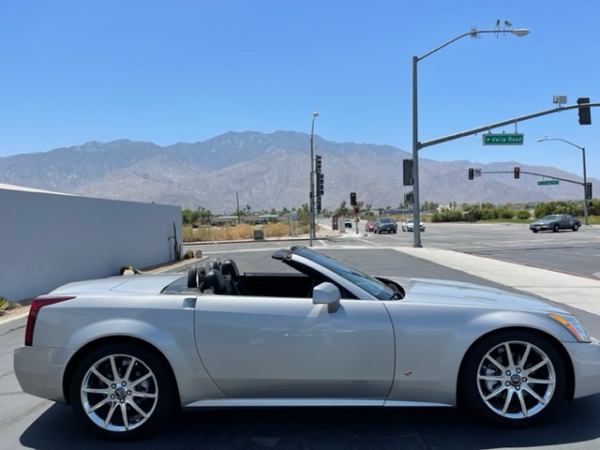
(75,71)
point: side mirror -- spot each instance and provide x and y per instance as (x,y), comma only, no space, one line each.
(327,294)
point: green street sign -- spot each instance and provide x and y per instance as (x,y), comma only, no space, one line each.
(547,182)
(503,139)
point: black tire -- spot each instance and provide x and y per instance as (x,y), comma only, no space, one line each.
(535,231)
(509,392)
(555,228)
(119,418)
(575,227)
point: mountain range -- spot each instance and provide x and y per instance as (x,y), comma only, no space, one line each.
(268,171)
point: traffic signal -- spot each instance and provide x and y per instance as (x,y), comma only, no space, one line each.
(585,116)
(471,174)
(318,205)
(318,163)
(353,198)
(407,172)
(588,190)
(517,172)
(320,184)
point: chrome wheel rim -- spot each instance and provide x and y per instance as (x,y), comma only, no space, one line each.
(516,379)
(119,393)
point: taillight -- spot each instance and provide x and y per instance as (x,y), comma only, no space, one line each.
(37,304)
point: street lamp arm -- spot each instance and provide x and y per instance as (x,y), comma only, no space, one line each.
(474,33)
(560,139)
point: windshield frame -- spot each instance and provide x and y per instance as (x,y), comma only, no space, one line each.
(366,282)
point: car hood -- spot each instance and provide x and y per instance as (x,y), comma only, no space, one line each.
(134,284)
(421,290)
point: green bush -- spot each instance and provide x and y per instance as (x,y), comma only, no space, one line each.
(448,216)
(558,207)
(523,215)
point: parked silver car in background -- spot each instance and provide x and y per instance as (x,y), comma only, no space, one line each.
(128,351)
(408,225)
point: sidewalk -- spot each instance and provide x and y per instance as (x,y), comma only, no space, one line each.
(579,292)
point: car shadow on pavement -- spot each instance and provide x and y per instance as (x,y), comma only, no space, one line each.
(326,428)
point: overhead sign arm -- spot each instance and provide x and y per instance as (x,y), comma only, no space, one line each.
(499,124)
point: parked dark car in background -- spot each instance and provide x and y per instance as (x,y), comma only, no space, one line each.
(385,225)
(555,222)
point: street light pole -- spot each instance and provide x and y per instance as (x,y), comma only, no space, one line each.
(585,206)
(416,145)
(311,230)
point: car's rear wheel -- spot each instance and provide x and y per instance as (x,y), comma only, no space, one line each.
(514,378)
(575,227)
(121,390)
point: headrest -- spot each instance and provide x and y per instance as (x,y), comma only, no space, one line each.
(230,268)
(213,264)
(214,281)
(195,276)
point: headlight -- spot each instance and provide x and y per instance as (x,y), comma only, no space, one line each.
(572,325)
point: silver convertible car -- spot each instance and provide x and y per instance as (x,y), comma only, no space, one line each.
(127,352)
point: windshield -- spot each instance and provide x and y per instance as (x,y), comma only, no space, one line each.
(553,217)
(366,282)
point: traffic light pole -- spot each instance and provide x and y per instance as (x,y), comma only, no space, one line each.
(311,225)
(504,123)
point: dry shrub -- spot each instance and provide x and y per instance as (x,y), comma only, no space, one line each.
(189,233)
(277,229)
(242,231)
(238,232)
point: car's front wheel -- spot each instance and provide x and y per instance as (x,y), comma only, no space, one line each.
(555,228)
(514,378)
(122,390)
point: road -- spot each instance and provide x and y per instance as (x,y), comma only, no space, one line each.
(28,422)
(565,251)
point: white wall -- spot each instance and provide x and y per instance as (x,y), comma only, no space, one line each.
(49,239)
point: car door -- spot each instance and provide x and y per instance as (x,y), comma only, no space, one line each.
(274,348)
